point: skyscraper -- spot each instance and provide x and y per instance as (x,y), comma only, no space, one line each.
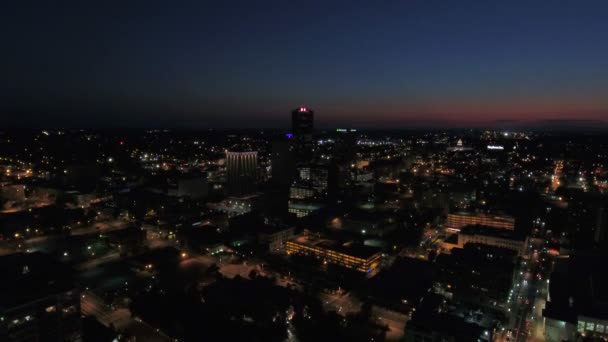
(345,153)
(345,146)
(283,165)
(302,125)
(242,172)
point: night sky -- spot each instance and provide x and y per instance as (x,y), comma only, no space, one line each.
(248,63)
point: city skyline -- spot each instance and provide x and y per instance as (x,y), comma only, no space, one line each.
(398,171)
(399,65)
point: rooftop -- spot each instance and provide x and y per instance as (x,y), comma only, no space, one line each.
(578,287)
(349,248)
(495,215)
(491,231)
(271,229)
(446,325)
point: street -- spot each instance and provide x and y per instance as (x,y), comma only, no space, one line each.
(119,319)
(527,298)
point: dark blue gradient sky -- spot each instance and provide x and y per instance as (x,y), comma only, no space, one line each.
(247,63)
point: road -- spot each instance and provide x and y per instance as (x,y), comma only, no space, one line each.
(538,329)
(395,321)
(119,319)
(527,299)
(93,305)
(343,304)
(24,245)
(347,304)
(101,227)
(36,243)
(90,264)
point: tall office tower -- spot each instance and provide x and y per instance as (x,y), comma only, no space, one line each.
(345,153)
(302,125)
(324,178)
(39,300)
(242,172)
(345,146)
(282,161)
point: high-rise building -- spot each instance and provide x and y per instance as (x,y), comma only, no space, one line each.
(39,300)
(319,176)
(302,125)
(301,191)
(576,304)
(345,154)
(345,145)
(283,164)
(242,172)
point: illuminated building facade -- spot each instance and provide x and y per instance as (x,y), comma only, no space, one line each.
(459,147)
(303,208)
(301,192)
(242,172)
(458,220)
(322,177)
(304,172)
(356,257)
(275,238)
(488,236)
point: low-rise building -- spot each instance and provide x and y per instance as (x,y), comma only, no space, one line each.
(354,256)
(443,327)
(457,221)
(487,236)
(275,237)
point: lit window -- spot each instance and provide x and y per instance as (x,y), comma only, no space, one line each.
(580,326)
